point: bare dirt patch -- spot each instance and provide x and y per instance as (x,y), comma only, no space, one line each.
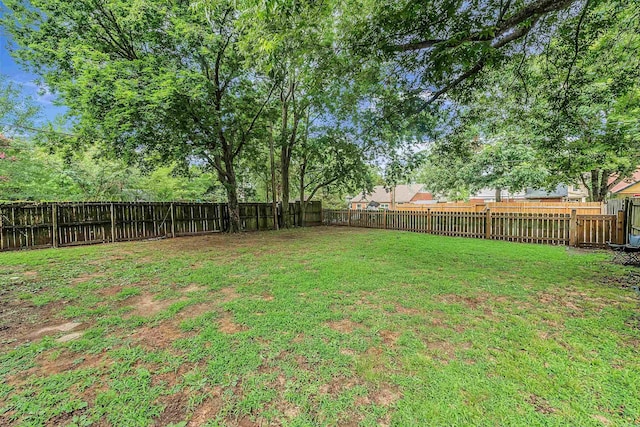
(46,364)
(157,337)
(471,302)
(207,409)
(228,294)
(195,310)
(407,311)
(85,278)
(175,409)
(64,327)
(68,360)
(191,288)
(385,395)
(69,337)
(344,326)
(110,291)
(540,404)
(227,325)
(145,305)
(604,420)
(389,338)
(267,297)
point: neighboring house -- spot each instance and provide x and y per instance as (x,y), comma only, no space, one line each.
(627,187)
(562,193)
(389,198)
(489,195)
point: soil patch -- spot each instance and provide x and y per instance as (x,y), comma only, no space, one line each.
(145,305)
(228,294)
(385,395)
(344,326)
(157,337)
(85,278)
(389,338)
(207,409)
(471,302)
(175,409)
(540,404)
(69,337)
(64,327)
(227,326)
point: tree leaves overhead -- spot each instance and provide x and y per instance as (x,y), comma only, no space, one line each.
(444,44)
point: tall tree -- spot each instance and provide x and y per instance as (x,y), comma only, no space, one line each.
(293,40)
(168,81)
(586,103)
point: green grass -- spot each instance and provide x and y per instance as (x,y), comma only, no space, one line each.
(318,327)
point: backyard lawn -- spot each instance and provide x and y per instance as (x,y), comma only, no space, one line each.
(317,326)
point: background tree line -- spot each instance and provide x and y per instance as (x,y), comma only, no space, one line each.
(292,98)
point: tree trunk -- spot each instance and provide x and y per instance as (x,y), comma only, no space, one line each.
(599,187)
(285,162)
(274,206)
(303,202)
(288,140)
(498,194)
(234,209)
(227,177)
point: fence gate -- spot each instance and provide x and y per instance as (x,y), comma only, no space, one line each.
(594,231)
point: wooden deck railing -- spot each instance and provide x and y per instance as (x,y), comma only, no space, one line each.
(556,229)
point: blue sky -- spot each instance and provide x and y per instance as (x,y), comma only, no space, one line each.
(28,83)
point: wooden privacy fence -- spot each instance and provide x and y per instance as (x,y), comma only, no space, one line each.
(42,225)
(556,229)
(582,208)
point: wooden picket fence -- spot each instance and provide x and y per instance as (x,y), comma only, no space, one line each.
(555,229)
(43,225)
(582,208)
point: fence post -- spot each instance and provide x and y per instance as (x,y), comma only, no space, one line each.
(573,228)
(349,218)
(487,224)
(173,220)
(620,238)
(429,220)
(113,222)
(54,225)
(384,218)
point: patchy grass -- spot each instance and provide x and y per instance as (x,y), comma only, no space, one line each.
(317,327)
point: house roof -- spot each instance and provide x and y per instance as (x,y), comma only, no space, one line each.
(380,194)
(625,183)
(490,193)
(422,196)
(559,192)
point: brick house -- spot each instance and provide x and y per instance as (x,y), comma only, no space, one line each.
(388,198)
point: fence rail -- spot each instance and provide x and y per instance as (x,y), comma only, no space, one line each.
(42,225)
(556,229)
